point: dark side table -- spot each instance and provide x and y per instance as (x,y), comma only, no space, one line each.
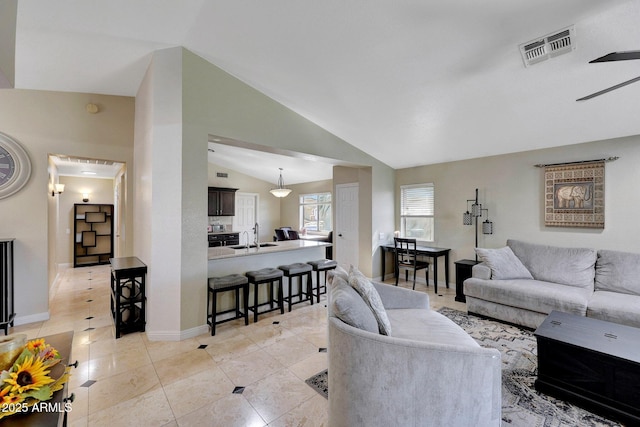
(128,299)
(463,272)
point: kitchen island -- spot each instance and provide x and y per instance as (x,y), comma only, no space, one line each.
(228,259)
(233,260)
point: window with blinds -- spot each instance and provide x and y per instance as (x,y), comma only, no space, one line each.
(417,211)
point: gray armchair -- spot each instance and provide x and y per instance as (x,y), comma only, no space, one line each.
(429,372)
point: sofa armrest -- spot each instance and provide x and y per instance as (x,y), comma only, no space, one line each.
(481,271)
(395,297)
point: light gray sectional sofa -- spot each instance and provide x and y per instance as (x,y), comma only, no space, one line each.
(424,371)
(523,282)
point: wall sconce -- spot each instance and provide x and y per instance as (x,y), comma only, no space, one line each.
(476,212)
(57,189)
(85,197)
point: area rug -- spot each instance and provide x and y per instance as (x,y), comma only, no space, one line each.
(522,405)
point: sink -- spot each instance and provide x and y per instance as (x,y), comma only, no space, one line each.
(262,245)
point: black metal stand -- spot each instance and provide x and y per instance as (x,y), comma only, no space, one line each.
(6,284)
(128,300)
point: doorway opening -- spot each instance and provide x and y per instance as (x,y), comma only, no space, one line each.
(86,181)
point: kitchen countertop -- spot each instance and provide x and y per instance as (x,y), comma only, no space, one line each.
(222,252)
(223,232)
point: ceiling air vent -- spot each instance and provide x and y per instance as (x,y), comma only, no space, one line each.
(222,175)
(548,46)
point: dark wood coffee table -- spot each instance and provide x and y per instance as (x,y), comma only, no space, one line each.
(591,363)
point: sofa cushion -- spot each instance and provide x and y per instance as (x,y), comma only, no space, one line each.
(567,266)
(370,295)
(615,307)
(618,272)
(534,295)
(503,263)
(427,326)
(337,272)
(348,306)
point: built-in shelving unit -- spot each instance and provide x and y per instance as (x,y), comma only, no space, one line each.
(93,234)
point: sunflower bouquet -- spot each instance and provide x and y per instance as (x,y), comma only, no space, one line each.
(28,380)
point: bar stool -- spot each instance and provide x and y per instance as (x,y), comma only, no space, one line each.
(318,266)
(266,275)
(299,269)
(232,282)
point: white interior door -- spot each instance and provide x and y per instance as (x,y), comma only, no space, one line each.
(346,230)
(246,214)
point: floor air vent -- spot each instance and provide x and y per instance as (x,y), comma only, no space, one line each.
(548,46)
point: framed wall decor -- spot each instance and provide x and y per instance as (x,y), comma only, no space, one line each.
(15,166)
(574,195)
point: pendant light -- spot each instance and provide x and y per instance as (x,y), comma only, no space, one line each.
(280,191)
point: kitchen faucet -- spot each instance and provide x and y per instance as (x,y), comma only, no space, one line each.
(246,245)
(256,235)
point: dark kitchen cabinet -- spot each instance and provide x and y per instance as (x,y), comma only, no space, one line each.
(222,201)
(224,239)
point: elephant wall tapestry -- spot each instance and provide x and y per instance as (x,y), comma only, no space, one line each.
(574,195)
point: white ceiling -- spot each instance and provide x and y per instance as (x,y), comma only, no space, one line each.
(84,167)
(409,82)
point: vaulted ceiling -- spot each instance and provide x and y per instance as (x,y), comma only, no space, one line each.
(409,82)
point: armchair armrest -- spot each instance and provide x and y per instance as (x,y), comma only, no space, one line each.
(365,366)
(395,297)
(481,271)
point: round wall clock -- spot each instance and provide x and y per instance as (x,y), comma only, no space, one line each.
(15,166)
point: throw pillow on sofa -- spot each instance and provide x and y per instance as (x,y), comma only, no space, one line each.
(337,272)
(348,306)
(370,295)
(504,264)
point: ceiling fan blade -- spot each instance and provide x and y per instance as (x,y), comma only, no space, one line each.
(609,89)
(618,56)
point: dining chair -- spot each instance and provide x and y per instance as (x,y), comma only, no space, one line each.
(406,258)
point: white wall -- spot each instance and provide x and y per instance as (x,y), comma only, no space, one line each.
(512,189)
(52,122)
(158,190)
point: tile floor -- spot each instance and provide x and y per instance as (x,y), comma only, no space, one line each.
(244,376)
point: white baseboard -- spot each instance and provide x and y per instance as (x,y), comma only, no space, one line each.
(31,318)
(177,335)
